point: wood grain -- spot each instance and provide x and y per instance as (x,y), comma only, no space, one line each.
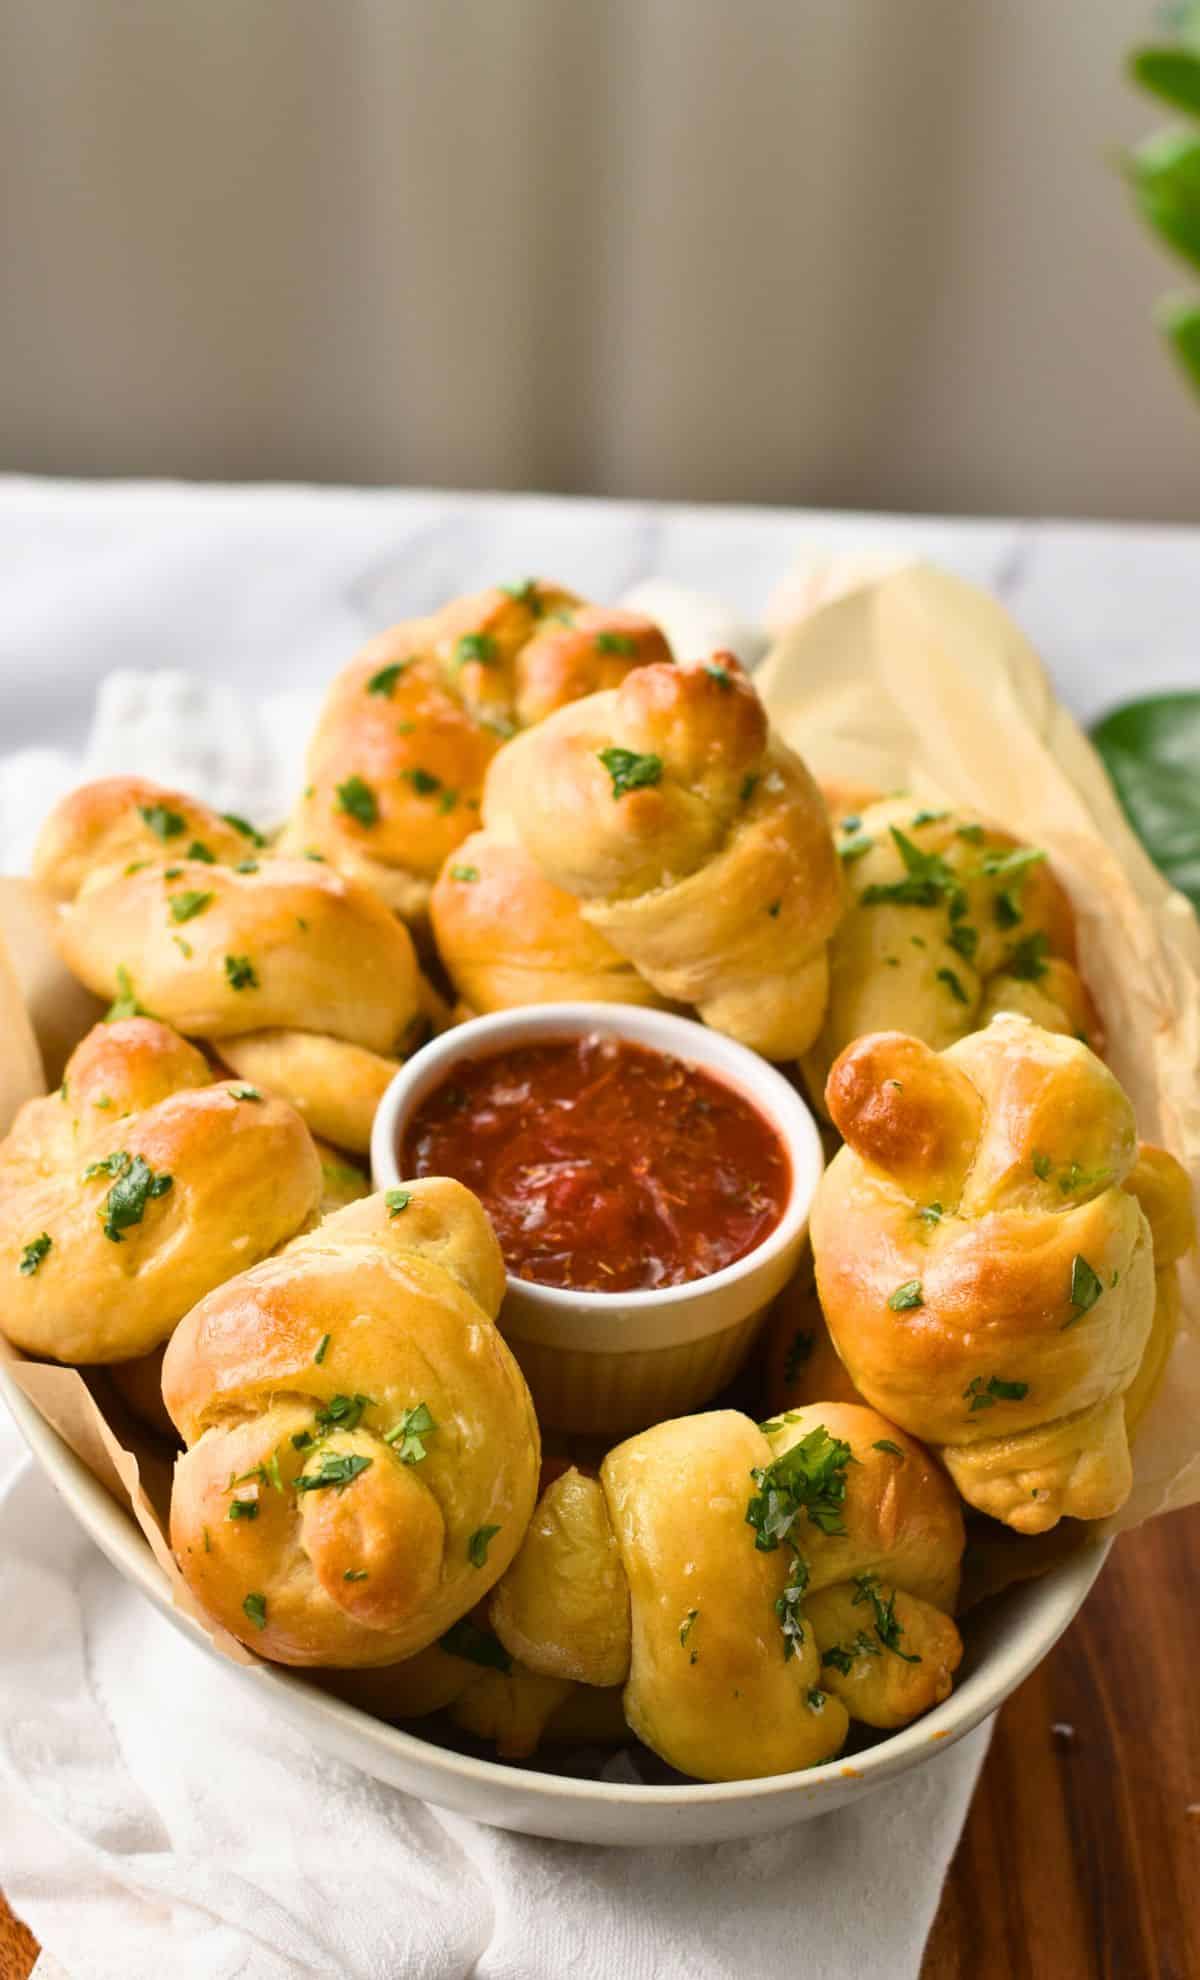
(1081,1855)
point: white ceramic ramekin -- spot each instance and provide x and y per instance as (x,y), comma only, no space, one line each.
(612,1363)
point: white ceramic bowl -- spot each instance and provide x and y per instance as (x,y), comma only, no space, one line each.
(612,1363)
(1005,1639)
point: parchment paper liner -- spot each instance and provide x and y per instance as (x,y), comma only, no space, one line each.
(912,679)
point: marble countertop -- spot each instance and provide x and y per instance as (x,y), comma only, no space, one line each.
(284,582)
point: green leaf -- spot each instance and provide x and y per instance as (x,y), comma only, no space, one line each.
(356,798)
(1178,318)
(1171,73)
(465,1639)
(630,771)
(906,1297)
(477,1545)
(1164,173)
(333,1470)
(1151,750)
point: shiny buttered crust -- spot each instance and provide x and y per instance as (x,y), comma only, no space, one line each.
(987,1280)
(695,843)
(397,764)
(336,1086)
(311,1367)
(563,1606)
(137,1188)
(508,937)
(950,920)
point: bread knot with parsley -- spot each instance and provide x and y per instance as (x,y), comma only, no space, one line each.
(752,1587)
(986,1273)
(362,1451)
(687,839)
(300,978)
(397,762)
(949,920)
(138,1187)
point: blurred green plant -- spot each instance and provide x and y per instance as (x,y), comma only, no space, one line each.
(1164,170)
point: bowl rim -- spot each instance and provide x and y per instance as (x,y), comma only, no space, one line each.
(1062,1592)
(753,1078)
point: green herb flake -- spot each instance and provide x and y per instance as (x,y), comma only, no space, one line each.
(198,850)
(808,1478)
(928,879)
(1086,1287)
(246,866)
(465,1639)
(926,818)
(322,1348)
(241,973)
(466,874)
(817,1699)
(721,675)
(478,1544)
(117,1164)
(773,910)
(162,821)
(526,593)
(686,1627)
(125,1003)
(799,1352)
(750,783)
(186,906)
(973,834)
(243,826)
(984,1395)
(255,1607)
(344,1412)
(478,649)
(423,782)
(407,1437)
(954,985)
(1027,962)
(355,1574)
(965,939)
(125,1204)
(1042,1165)
(385,679)
(244,1093)
(787,1604)
(852,849)
(886,1444)
(1006,910)
(1006,865)
(907,1297)
(243,1509)
(358,801)
(618,642)
(184,948)
(33,1254)
(302,1440)
(397,1200)
(931,1213)
(630,771)
(447,800)
(887,1628)
(333,1470)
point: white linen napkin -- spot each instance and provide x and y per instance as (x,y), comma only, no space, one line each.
(156,1820)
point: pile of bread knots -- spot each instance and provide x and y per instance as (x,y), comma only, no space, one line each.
(520,799)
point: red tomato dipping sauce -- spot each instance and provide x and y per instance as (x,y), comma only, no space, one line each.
(604,1166)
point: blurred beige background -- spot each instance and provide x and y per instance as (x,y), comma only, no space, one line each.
(861,252)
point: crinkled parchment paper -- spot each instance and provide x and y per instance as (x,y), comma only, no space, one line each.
(895,675)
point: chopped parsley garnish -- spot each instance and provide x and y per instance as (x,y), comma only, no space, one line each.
(526,593)
(243,826)
(997,865)
(397,1200)
(808,1478)
(241,973)
(465,1639)
(243,1509)
(244,1093)
(983,1395)
(799,1351)
(322,1348)
(186,906)
(246,866)
(926,818)
(617,642)
(302,1440)
(344,1412)
(721,675)
(852,849)
(255,1606)
(355,1574)
(198,850)
(467,874)
(928,879)
(1086,1287)
(750,784)
(965,939)
(629,771)
(1075,1178)
(116,1164)
(816,1699)
(773,910)
(385,680)
(478,647)
(478,1544)
(973,834)
(931,1213)
(184,948)
(1042,1164)
(338,1471)
(423,782)
(886,1444)
(1028,959)
(33,1254)
(125,1204)
(887,1629)
(409,1434)
(953,984)
(125,1003)
(686,1626)
(850,823)
(163,822)
(1006,910)
(841,1656)
(787,1604)
(447,800)
(356,798)
(498,724)
(907,1297)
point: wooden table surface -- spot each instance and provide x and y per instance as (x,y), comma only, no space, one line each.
(1081,1856)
